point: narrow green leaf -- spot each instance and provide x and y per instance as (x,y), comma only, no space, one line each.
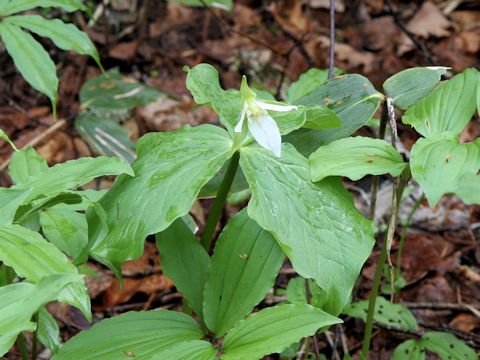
(188,350)
(72,174)
(397,315)
(297,292)
(110,91)
(273,329)
(171,168)
(48,332)
(106,137)
(66,229)
(15,6)
(409,86)
(26,163)
(139,335)
(5,137)
(449,108)
(317,225)
(447,346)
(18,303)
(185,261)
(355,157)
(440,164)
(34,258)
(352,97)
(244,267)
(307,82)
(408,350)
(65,36)
(23,48)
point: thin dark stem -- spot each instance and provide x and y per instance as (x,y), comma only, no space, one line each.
(35,337)
(316,348)
(22,346)
(420,45)
(331,63)
(376,179)
(219,203)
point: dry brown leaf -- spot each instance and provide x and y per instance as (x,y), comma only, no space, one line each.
(428,21)
(124,51)
(291,16)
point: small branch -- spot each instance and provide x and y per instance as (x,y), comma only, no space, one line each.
(444,306)
(331,63)
(420,45)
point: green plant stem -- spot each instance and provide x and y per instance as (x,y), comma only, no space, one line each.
(22,346)
(219,203)
(35,337)
(314,336)
(367,337)
(403,235)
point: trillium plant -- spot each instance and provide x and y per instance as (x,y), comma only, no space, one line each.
(284,161)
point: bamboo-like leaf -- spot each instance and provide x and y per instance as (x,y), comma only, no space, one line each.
(26,163)
(31,60)
(9,7)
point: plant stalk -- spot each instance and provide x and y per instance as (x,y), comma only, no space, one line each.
(331,63)
(219,203)
(22,346)
(35,337)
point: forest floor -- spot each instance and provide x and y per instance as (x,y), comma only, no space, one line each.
(273,42)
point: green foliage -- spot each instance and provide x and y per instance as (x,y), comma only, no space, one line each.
(26,163)
(272,330)
(244,268)
(385,312)
(297,292)
(48,332)
(355,157)
(408,350)
(41,74)
(307,82)
(134,334)
(316,225)
(220,4)
(409,86)
(185,261)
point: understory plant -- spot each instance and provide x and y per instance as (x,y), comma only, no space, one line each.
(289,156)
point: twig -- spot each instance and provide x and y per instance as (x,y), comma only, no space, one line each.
(444,306)
(36,140)
(420,45)
(331,63)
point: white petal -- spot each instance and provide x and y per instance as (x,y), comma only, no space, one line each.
(276,107)
(265,131)
(238,127)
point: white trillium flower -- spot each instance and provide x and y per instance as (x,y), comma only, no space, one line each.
(261,125)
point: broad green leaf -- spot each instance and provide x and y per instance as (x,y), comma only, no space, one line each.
(18,303)
(221,4)
(111,91)
(26,163)
(469,189)
(440,164)
(171,168)
(31,60)
(447,346)
(185,261)
(387,313)
(48,332)
(320,117)
(34,258)
(411,85)
(210,189)
(245,264)
(317,225)
(139,335)
(352,97)
(307,82)
(355,157)
(449,108)
(5,137)
(204,84)
(14,6)
(273,329)
(72,174)
(408,350)
(297,292)
(66,229)
(106,137)
(65,36)
(188,350)
(10,201)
